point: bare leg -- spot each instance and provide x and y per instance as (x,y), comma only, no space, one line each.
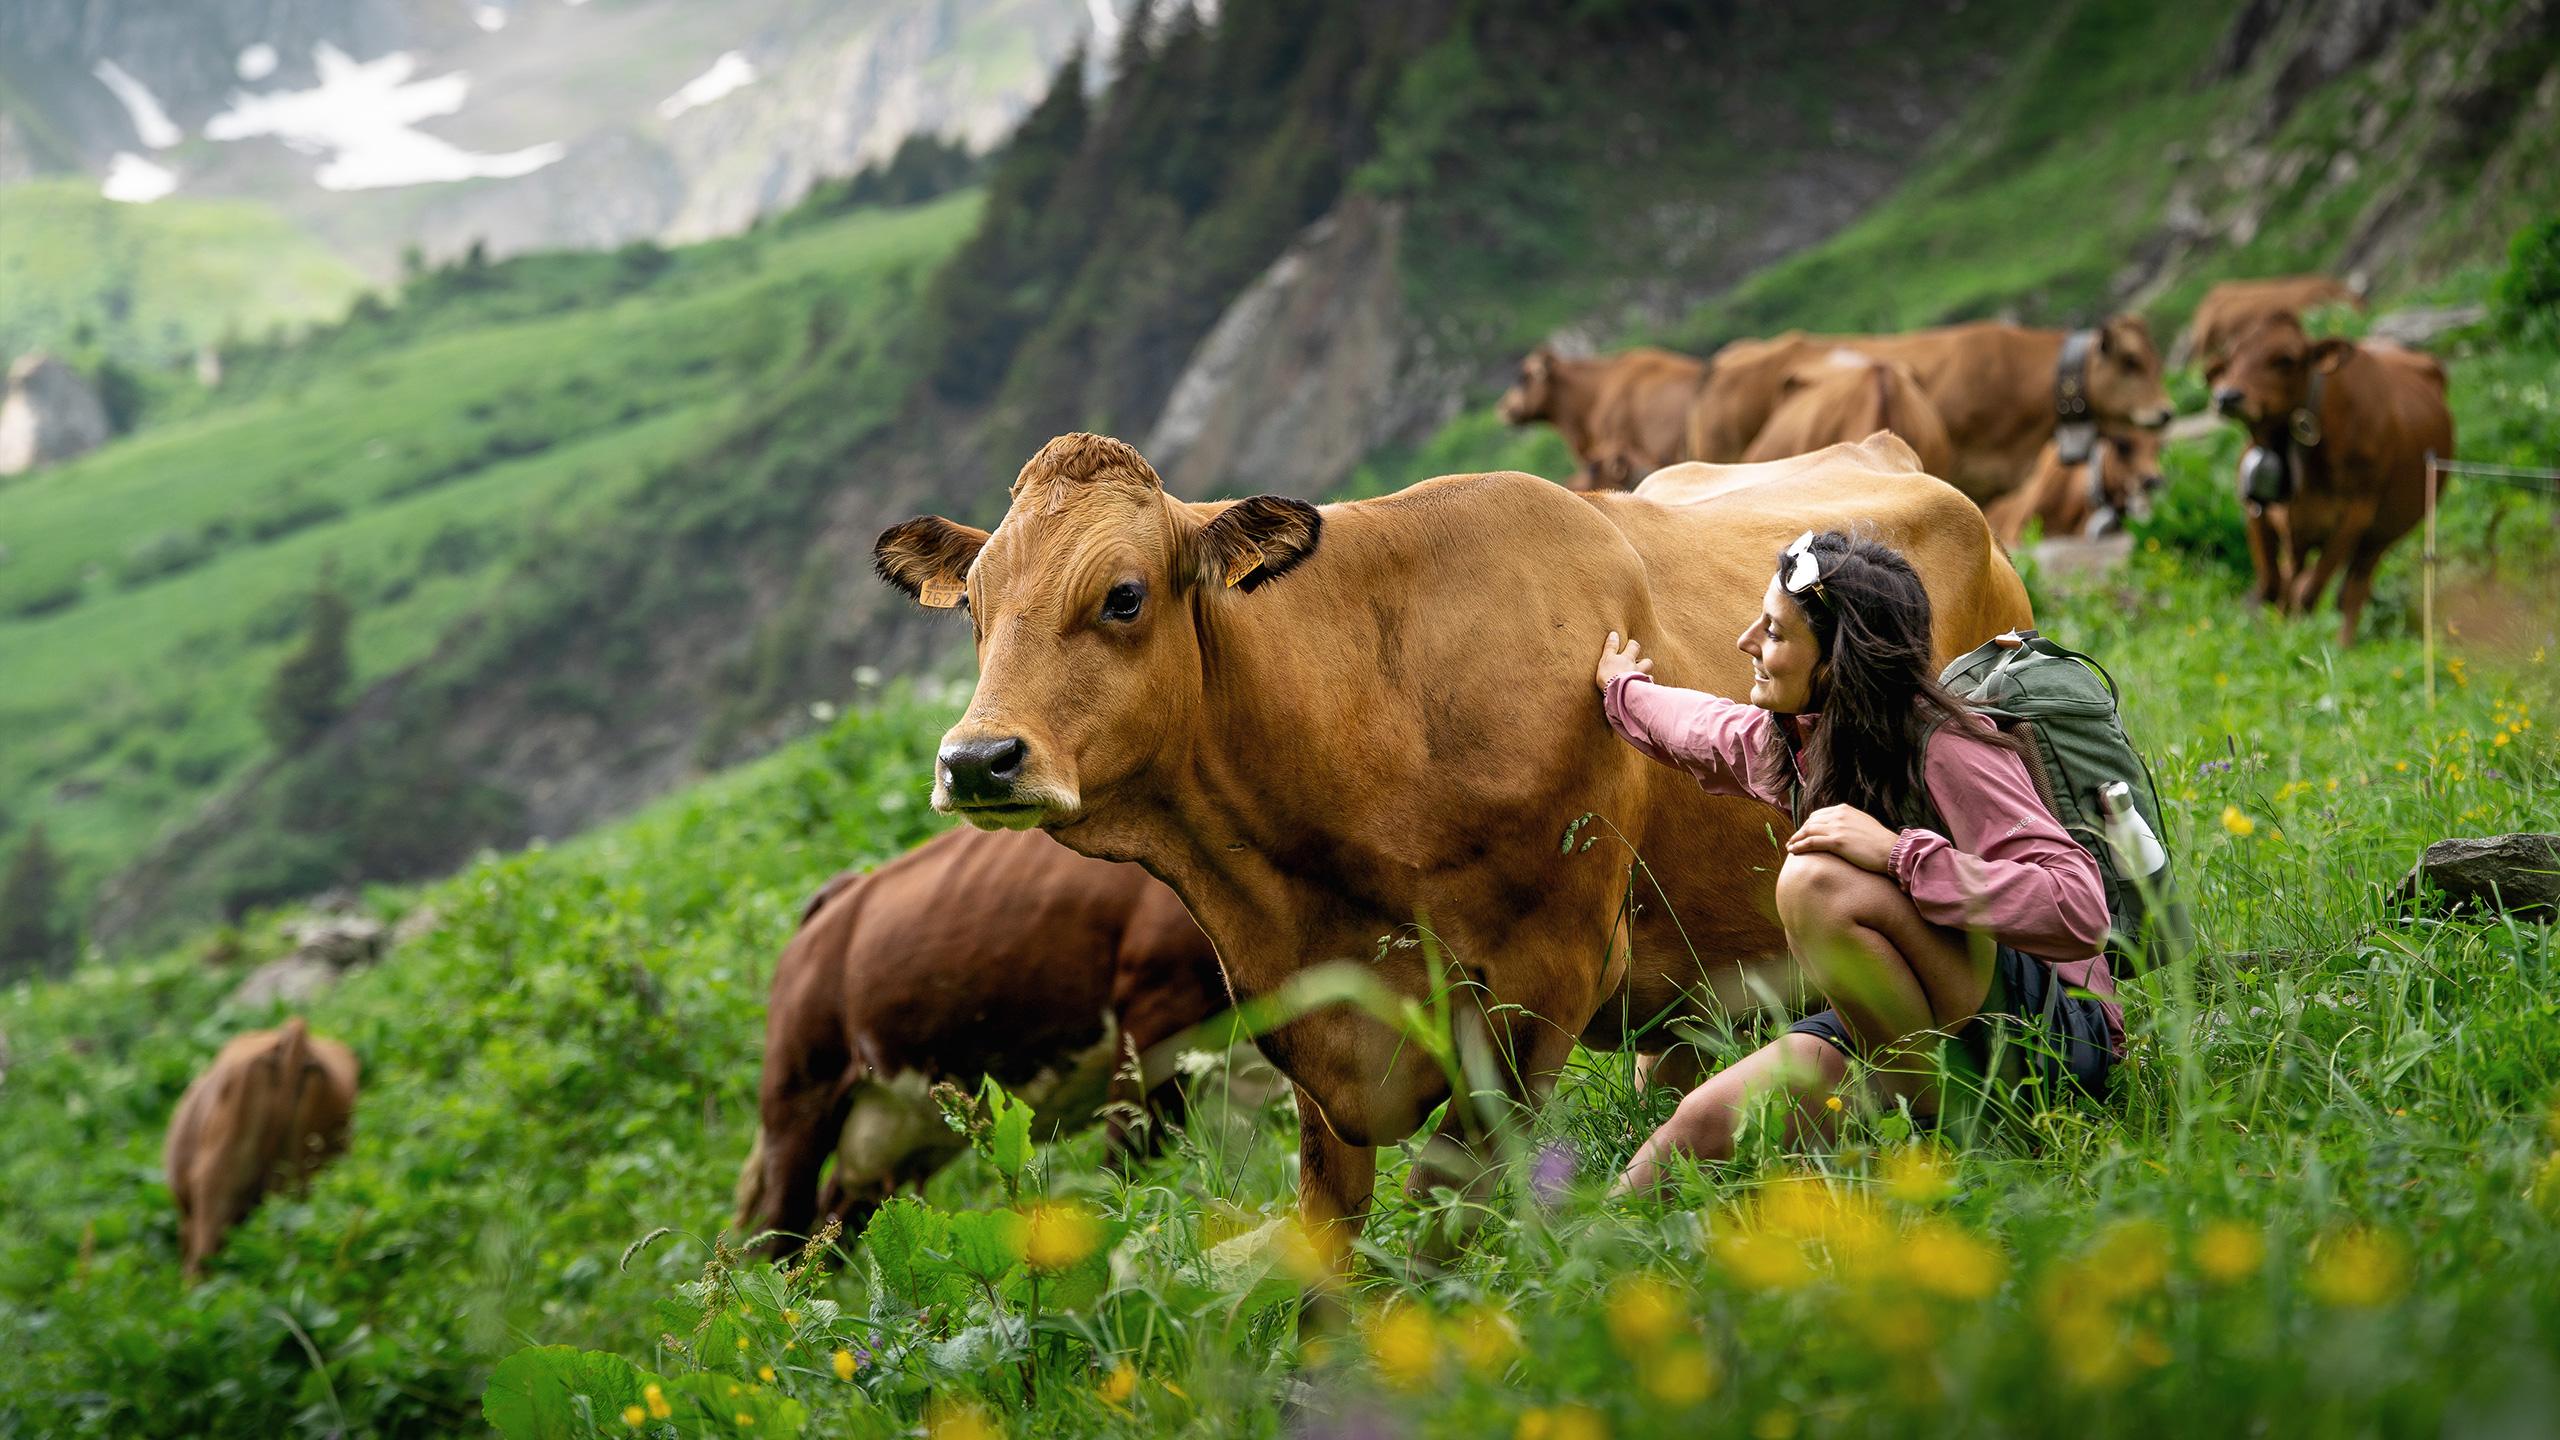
(1804,1068)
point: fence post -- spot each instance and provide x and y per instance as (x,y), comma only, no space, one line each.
(2427,602)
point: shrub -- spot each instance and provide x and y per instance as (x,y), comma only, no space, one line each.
(2526,298)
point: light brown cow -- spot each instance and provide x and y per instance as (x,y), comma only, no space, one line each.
(1994,386)
(2235,307)
(1325,728)
(2355,423)
(978,953)
(1623,415)
(271,1110)
(1847,396)
(2116,482)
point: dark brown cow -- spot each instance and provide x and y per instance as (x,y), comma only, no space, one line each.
(270,1111)
(978,953)
(2354,424)
(2235,307)
(1624,415)
(1994,386)
(2117,482)
(1846,396)
(1325,728)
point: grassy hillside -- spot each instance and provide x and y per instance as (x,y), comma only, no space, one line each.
(420,456)
(147,284)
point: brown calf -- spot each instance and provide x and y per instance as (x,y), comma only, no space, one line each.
(978,953)
(2353,425)
(1845,397)
(271,1110)
(2117,481)
(1624,415)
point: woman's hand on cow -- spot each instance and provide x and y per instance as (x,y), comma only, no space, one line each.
(1848,832)
(1615,662)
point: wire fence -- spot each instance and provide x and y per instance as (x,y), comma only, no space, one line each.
(2534,479)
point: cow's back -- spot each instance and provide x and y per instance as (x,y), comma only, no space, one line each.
(1847,396)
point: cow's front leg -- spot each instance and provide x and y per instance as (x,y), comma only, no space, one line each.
(1503,1090)
(2264,560)
(1335,1181)
(2343,542)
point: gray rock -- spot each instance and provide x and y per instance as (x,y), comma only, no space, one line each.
(2424,324)
(48,413)
(296,979)
(337,941)
(2517,873)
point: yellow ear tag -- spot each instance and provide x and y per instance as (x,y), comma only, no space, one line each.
(941,596)
(1243,565)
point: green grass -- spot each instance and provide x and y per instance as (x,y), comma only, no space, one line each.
(147,284)
(154,585)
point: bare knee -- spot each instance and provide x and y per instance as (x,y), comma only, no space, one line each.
(1821,892)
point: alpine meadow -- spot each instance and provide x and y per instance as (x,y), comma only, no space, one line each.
(476,650)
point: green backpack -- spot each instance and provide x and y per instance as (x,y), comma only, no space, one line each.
(2063,705)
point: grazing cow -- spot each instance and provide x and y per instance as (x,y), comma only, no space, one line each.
(1623,414)
(1325,728)
(2235,307)
(2001,390)
(2115,484)
(1847,396)
(978,953)
(2351,424)
(271,1110)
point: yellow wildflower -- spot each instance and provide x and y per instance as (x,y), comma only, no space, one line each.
(656,1399)
(1831,1103)
(1564,1422)
(2129,1258)
(1060,1236)
(1679,1376)
(790,1317)
(765,1373)
(1776,1424)
(2358,1269)
(1487,1340)
(743,1419)
(845,1364)
(742,1342)
(1915,1175)
(2237,823)
(634,1416)
(1404,1345)
(959,1420)
(2229,1252)
(1644,1312)
(1119,1385)
(1763,1260)
(1944,1260)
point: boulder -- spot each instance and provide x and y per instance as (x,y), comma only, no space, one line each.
(2424,325)
(48,413)
(325,947)
(294,981)
(2519,874)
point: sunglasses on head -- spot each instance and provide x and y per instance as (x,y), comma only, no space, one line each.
(1804,569)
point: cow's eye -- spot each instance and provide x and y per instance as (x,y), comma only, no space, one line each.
(1122,601)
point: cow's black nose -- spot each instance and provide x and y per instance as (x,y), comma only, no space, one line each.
(980,770)
(2228,401)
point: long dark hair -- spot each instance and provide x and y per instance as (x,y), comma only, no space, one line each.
(1875,685)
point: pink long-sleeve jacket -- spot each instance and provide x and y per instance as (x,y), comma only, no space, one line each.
(2007,869)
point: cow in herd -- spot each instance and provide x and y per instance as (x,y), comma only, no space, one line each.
(1323,730)
(267,1114)
(979,953)
(1324,727)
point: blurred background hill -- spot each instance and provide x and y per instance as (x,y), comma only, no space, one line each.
(577,351)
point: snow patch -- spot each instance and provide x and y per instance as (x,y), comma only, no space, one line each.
(137,181)
(151,124)
(257,62)
(727,74)
(362,115)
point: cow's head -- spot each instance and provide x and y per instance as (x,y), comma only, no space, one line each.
(2128,470)
(2124,384)
(1087,602)
(2267,374)
(1532,395)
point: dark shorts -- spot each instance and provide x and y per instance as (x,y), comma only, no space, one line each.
(2032,1027)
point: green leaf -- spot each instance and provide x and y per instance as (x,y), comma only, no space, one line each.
(1009,1134)
(987,1244)
(707,1403)
(907,1240)
(559,1392)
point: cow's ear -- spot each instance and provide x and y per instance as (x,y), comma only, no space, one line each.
(2124,335)
(2327,355)
(929,558)
(1257,540)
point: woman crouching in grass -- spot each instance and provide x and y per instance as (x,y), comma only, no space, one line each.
(1927,892)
